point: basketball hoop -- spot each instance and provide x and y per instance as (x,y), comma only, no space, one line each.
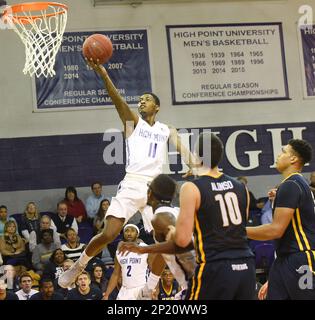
(40,25)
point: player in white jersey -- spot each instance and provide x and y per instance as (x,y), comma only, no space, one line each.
(133,269)
(146,142)
(181,262)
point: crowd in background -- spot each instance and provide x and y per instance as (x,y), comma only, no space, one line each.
(36,247)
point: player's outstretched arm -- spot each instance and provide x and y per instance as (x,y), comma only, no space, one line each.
(189,198)
(123,109)
(126,247)
(274,230)
(190,160)
(113,281)
(167,247)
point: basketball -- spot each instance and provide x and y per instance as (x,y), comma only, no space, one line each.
(98,46)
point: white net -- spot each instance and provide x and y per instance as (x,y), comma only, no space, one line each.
(41,31)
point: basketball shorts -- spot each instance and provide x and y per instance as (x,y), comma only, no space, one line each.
(226,279)
(129,293)
(290,277)
(132,197)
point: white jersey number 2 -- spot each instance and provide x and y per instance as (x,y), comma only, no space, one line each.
(229,208)
(128,271)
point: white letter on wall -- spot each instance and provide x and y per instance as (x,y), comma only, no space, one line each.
(231,151)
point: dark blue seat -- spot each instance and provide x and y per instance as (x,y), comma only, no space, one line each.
(85,232)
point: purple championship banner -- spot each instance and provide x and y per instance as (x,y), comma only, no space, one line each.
(76,85)
(49,162)
(227,63)
(308,59)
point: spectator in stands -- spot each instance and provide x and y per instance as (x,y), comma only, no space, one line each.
(67,264)
(98,222)
(5,294)
(11,278)
(4,218)
(54,268)
(62,221)
(47,291)
(26,291)
(30,221)
(45,224)
(12,246)
(312,182)
(93,201)
(167,286)
(98,278)
(72,248)
(92,263)
(266,211)
(84,291)
(253,201)
(43,251)
(35,276)
(76,207)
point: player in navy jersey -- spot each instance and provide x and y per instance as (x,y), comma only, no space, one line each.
(293,227)
(146,146)
(214,207)
(167,287)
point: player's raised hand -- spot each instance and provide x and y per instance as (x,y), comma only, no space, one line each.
(96,66)
(272,194)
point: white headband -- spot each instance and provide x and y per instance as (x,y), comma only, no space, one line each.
(133,226)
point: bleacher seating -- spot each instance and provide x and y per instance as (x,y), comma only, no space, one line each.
(85,231)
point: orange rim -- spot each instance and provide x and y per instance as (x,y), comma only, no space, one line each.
(32,6)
